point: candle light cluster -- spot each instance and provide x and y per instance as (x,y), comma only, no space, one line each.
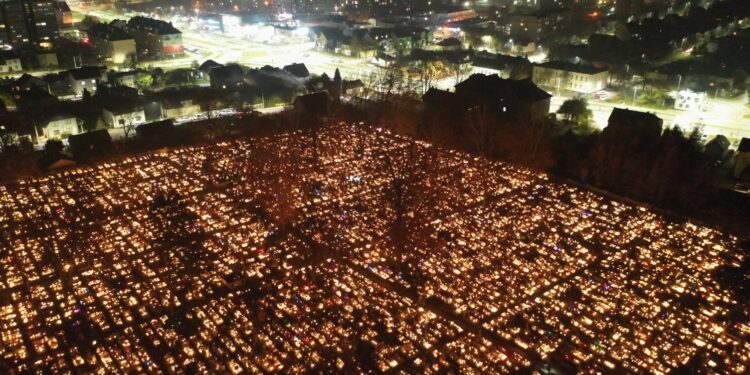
(279,254)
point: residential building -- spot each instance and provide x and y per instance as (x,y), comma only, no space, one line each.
(121,114)
(579,78)
(46,59)
(112,44)
(10,62)
(176,109)
(522,100)
(299,70)
(86,78)
(61,126)
(538,24)
(688,100)
(621,117)
(42,22)
(505,66)
(63,14)
(155,38)
(27,82)
(226,76)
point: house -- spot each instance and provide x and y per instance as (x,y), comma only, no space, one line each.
(459,62)
(96,142)
(579,78)
(539,24)
(227,76)
(27,82)
(505,66)
(522,100)
(717,148)
(399,41)
(123,114)
(449,44)
(359,44)
(176,109)
(85,78)
(10,62)
(126,78)
(30,101)
(61,126)
(742,160)
(299,70)
(111,43)
(326,38)
(688,100)
(46,60)
(352,88)
(155,38)
(621,117)
(207,65)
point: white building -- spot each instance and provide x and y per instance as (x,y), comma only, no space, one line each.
(10,64)
(122,116)
(560,75)
(62,126)
(687,100)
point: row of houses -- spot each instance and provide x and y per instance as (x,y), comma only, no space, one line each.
(368,42)
(138,38)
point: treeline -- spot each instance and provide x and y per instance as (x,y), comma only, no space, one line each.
(661,166)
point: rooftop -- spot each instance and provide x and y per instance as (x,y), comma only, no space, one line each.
(569,67)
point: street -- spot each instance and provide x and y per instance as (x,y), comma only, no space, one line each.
(725,117)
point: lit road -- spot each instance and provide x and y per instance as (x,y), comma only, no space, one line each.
(202,46)
(724,117)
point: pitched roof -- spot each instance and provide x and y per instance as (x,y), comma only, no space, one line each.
(624,115)
(108,32)
(152,25)
(449,42)
(568,67)
(227,71)
(23,79)
(297,69)
(478,85)
(744,145)
(208,65)
(86,72)
(498,61)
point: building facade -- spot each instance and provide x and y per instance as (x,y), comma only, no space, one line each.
(112,44)
(578,78)
(155,39)
(28,22)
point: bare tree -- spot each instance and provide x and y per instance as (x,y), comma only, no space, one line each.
(460,70)
(430,71)
(415,188)
(128,126)
(482,125)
